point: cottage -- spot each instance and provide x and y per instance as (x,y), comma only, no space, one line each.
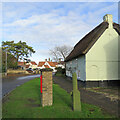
(22,65)
(47,64)
(95,56)
(61,64)
(25,65)
(31,64)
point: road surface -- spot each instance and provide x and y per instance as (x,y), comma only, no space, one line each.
(11,82)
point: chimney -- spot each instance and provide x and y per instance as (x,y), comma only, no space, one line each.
(59,59)
(45,59)
(49,59)
(108,18)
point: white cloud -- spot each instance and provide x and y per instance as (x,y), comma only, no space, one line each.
(94,17)
(46,30)
(50,30)
(49,27)
(40,55)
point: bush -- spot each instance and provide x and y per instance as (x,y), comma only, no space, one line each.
(63,71)
(47,69)
(3,69)
(60,70)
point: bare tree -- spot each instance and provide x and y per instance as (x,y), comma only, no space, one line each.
(54,54)
(60,52)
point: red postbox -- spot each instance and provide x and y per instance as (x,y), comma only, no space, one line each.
(41,82)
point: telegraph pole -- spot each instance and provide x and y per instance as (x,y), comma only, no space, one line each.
(6,64)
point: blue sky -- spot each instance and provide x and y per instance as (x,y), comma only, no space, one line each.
(46,25)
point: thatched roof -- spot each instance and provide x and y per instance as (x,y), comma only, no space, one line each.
(84,45)
(116,27)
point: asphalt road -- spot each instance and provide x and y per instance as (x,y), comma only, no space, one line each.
(11,82)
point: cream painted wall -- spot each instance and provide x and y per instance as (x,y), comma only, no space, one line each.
(102,58)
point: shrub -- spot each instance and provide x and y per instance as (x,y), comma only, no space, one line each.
(47,69)
(63,71)
(60,70)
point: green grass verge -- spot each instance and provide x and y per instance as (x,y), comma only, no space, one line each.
(24,102)
(59,74)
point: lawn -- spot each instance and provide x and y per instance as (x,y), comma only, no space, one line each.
(25,102)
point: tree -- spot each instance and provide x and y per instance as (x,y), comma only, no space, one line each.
(19,50)
(54,54)
(27,60)
(10,64)
(60,52)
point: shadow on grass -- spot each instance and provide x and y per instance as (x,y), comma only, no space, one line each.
(37,89)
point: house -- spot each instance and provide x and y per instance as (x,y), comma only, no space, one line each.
(61,64)
(31,64)
(22,65)
(25,65)
(47,64)
(95,56)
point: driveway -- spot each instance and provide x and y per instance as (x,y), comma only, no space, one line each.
(110,107)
